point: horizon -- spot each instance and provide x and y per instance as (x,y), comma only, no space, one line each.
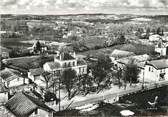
(63,7)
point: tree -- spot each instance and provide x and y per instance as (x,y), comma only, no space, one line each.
(68,78)
(162,32)
(100,69)
(2,65)
(148,32)
(121,39)
(85,82)
(117,74)
(131,73)
(38,47)
(158,31)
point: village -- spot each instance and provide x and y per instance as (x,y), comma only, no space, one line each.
(50,65)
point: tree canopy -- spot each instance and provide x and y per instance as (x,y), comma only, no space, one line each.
(68,78)
(131,73)
(100,69)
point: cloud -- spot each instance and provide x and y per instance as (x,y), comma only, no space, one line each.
(79,5)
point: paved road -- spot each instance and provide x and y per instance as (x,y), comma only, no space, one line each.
(112,95)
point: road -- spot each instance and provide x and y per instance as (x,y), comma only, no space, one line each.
(111,95)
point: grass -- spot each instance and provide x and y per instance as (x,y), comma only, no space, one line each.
(14,42)
(29,62)
(93,41)
(136,48)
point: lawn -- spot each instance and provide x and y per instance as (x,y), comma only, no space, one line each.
(14,42)
(29,62)
(136,48)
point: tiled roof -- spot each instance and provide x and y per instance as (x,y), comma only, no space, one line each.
(9,74)
(121,53)
(22,105)
(159,64)
(136,59)
(141,65)
(81,62)
(37,71)
(53,65)
(141,58)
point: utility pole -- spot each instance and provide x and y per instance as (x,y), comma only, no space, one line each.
(143,81)
(59,91)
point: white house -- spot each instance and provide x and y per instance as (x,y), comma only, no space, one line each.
(64,61)
(162,48)
(156,70)
(117,54)
(12,78)
(36,76)
(154,37)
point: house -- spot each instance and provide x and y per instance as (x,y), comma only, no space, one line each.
(38,47)
(156,70)
(136,59)
(161,48)
(4,52)
(25,105)
(139,60)
(64,61)
(36,76)
(117,54)
(154,38)
(12,78)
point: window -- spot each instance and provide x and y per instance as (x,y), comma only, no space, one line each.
(69,64)
(36,111)
(149,69)
(65,65)
(73,63)
(83,70)
(152,69)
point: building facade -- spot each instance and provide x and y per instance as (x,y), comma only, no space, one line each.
(64,61)
(156,70)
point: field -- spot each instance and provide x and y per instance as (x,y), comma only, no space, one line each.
(29,62)
(14,42)
(136,48)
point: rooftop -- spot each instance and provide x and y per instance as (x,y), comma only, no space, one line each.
(159,64)
(37,71)
(53,65)
(121,53)
(9,74)
(22,105)
(136,59)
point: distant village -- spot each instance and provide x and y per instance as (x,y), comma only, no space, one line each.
(52,73)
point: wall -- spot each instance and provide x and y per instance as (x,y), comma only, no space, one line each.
(16,82)
(41,113)
(162,51)
(151,75)
(141,75)
(80,69)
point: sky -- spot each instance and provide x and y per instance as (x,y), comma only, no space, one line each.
(84,6)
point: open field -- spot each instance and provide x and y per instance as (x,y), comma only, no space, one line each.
(136,48)
(29,62)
